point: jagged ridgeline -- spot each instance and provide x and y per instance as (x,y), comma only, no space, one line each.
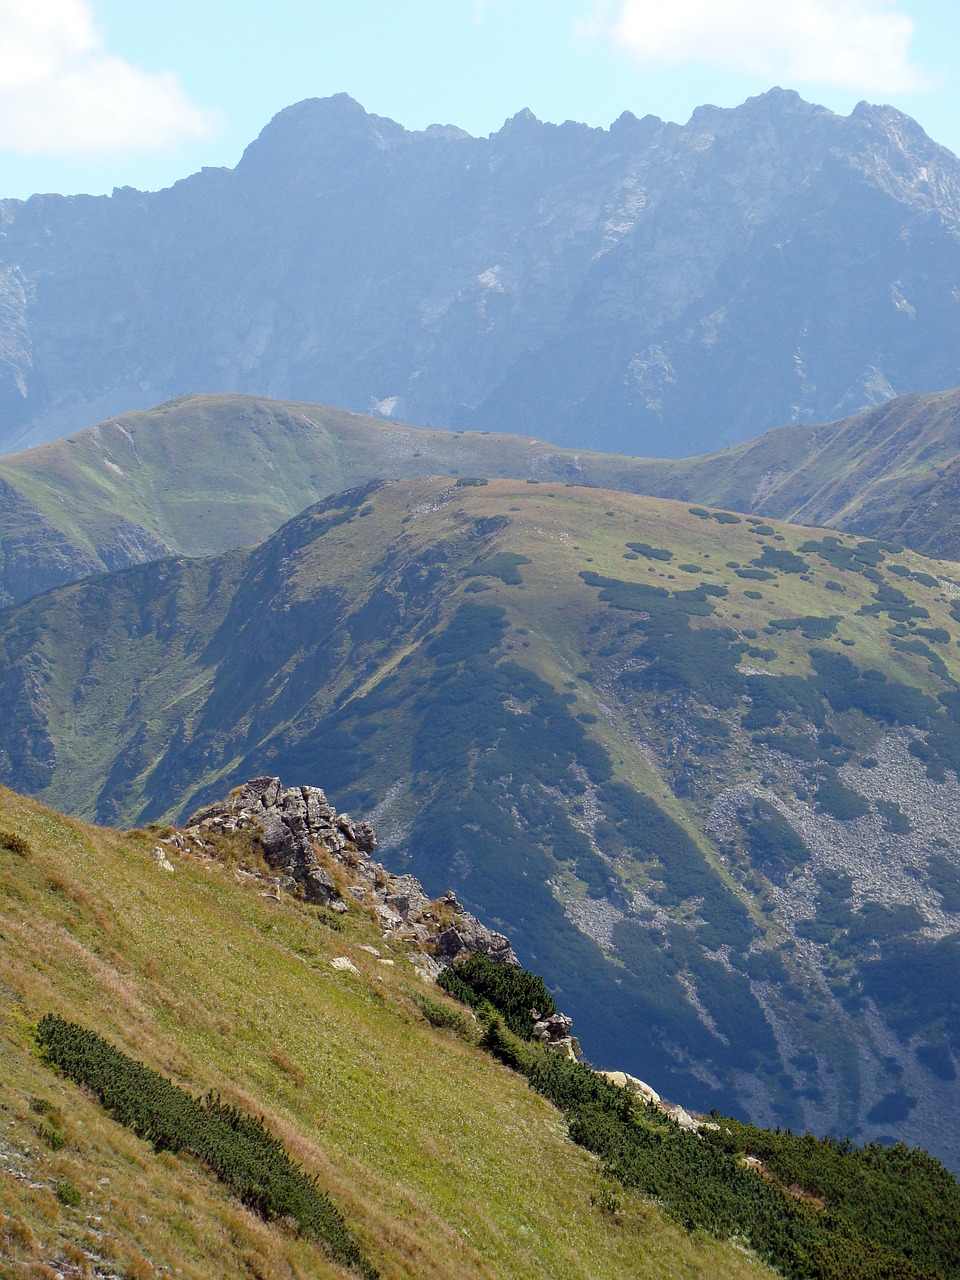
(701,768)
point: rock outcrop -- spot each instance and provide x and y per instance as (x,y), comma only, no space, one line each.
(326,857)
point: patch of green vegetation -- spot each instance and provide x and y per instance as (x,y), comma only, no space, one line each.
(834,797)
(445,1016)
(502,564)
(881,1199)
(237,1147)
(894,819)
(514,994)
(915,983)
(892,1109)
(774,696)
(892,601)
(771,842)
(855,559)
(651,553)
(939,635)
(846,686)
(944,876)
(635,824)
(937,1059)
(811,628)
(780,560)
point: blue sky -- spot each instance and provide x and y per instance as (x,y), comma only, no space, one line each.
(102,93)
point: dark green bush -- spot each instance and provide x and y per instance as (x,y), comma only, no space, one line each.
(513,993)
(236,1146)
(836,799)
(771,842)
(502,565)
(890,1213)
(894,819)
(780,560)
(811,628)
(652,553)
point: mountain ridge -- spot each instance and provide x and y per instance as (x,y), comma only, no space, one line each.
(596,287)
(145,485)
(702,767)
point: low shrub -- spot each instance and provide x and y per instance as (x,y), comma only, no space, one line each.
(236,1146)
(15,843)
(513,993)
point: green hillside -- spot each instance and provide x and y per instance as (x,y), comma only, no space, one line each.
(442,1163)
(703,769)
(890,472)
(207,473)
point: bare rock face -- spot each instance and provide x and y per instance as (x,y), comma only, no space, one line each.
(600,285)
(325,855)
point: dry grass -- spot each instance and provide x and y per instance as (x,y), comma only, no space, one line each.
(445,1163)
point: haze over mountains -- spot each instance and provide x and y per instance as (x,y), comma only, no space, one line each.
(651,288)
(704,767)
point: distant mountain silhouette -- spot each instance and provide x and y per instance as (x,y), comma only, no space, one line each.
(651,288)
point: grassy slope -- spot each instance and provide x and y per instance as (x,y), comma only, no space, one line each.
(182,673)
(446,1164)
(890,472)
(205,473)
(310,657)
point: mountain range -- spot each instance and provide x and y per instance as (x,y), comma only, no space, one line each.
(701,767)
(685,728)
(149,484)
(651,288)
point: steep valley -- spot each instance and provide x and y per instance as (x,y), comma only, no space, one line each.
(701,767)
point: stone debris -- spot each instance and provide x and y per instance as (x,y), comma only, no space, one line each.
(624,1081)
(160,858)
(682,1118)
(554,1033)
(343,964)
(679,1115)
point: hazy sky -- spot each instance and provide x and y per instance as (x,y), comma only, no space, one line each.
(102,93)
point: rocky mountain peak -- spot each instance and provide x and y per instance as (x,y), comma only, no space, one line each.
(597,286)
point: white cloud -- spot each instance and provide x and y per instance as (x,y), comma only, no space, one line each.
(859,45)
(62,93)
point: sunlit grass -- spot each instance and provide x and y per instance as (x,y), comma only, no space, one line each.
(444,1163)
